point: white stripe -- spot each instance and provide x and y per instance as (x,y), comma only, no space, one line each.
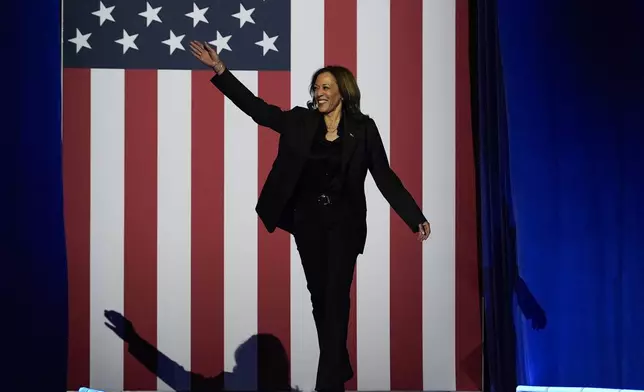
(106,224)
(307,44)
(174,175)
(240,224)
(373,288)
(439,357)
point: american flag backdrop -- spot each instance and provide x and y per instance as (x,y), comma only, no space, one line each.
(160,188)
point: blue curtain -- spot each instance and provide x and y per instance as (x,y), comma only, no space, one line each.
(33,281)
(501,279)
(561,168)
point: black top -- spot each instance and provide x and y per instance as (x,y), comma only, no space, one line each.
(321,171)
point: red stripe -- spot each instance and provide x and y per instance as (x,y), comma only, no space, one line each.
(140,221)
(340,48)
(340,33)
(274,249)
(207,223)
(468,323)
(407,161)
(76,183)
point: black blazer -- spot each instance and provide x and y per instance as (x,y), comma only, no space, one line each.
(362,150)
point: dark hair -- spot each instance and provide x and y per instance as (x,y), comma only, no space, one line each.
(347,85)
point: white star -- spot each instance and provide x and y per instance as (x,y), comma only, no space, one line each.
(151,14)
(174,42)
(80,40)
(197,15)
(244,15)
(221,42)
(127,41)
(104,13)
(268,43)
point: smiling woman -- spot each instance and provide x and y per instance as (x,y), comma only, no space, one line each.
(329,87)
(316,191)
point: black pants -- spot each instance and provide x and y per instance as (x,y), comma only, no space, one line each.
(325,242)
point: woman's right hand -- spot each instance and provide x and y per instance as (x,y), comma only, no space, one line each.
(207,55)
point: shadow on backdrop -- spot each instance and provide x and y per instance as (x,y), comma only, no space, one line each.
(572,76)
(502,281)
(261,363)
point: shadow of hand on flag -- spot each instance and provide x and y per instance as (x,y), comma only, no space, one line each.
(261,362)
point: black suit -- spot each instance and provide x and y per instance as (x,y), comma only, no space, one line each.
(329,237)
(362,150)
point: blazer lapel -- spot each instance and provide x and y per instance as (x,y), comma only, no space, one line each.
(350,141)
(311,127)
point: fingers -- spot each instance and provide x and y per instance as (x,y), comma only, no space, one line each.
(204,53)
(209,49)
(196,48)
(196,45)
(423,231)
(427,230)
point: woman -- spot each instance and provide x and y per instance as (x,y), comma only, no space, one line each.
(315,191)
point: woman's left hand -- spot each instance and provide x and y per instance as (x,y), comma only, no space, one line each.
(423,231)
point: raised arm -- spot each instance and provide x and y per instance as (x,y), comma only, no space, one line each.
(173,374)
(262,113)
(391,187)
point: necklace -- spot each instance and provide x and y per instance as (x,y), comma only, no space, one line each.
(334,127)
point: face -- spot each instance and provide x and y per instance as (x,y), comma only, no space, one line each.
(326,93)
